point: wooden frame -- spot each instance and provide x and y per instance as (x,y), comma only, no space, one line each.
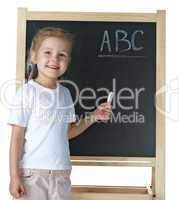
(157,163)
(111,193)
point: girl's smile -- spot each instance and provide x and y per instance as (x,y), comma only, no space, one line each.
(53,67)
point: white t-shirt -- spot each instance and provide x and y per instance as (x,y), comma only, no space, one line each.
(46,113)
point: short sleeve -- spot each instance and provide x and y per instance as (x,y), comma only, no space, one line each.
(70,110)
(19,110)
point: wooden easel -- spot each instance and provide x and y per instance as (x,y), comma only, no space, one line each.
(157,189)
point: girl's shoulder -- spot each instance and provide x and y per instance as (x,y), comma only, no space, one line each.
(66,92)
(25,88)
(25,92)
(64,88)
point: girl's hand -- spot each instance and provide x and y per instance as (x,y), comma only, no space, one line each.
(16,188)
(102,113)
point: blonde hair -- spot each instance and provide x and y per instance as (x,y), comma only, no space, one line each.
(31,71)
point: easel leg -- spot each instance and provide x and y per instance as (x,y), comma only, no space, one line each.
(153,180)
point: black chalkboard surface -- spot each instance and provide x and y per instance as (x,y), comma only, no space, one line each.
(119,57)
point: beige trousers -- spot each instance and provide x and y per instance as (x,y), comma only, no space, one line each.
(43,184)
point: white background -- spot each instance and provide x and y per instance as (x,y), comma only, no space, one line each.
(90,175)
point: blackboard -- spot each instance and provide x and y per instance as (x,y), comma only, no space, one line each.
(121,57)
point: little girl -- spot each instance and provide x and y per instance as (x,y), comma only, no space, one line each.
(44,120)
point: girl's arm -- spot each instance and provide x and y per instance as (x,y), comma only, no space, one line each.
(16,148)
(76,129)
(15,153)
(102,113)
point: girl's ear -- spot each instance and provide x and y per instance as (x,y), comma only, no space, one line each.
(33,57)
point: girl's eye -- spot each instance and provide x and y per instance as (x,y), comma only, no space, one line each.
(47,52)
(62,55)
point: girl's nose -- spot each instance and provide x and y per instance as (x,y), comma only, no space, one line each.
(55,58)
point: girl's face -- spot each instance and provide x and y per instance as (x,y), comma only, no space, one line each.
(52,57)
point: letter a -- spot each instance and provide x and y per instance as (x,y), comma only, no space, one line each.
(106,41)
